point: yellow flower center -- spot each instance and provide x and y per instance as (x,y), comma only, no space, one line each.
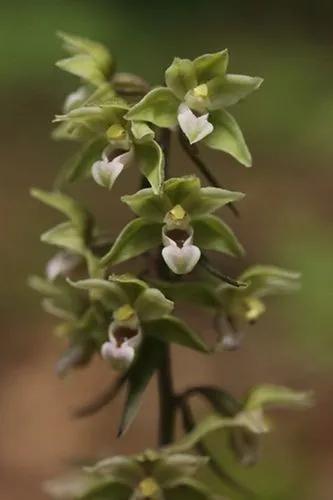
(201,91)
(178,213)
(254,308)
(116,131)
(124,313)
(148,487)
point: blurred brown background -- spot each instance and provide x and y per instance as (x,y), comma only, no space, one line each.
(286,220)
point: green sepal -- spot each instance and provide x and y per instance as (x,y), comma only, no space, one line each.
(142,132)
(231,89)
(228,137)
(276,396)
(137,237)
(150,160)
(194,292)
(170,329)
(146,204)
(269,280)
(159,107)
(211,233)
(211,199)
(151,304)
(180,77)
(182,190)
(145,364)
(115,295)
(131,285)
(209,66)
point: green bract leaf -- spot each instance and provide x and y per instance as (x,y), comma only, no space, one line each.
(116,296)
(84,67)
(269,280)
(150,160)
(180,77)
(147,361)
(146,204)
(191,291)
(151,304)
(142,132)
(78,45)
(65,236)
(229,90)
(272,395)
(74,211)
(170,329)
(79,165)
(131,285)
(136,238)
(228,137)
(159,106)
(209,66)
(211,199)
(212,234)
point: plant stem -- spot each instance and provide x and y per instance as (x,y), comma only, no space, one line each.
(166,399)
(192,151)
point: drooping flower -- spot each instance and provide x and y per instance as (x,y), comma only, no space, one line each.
(106,171)
(125,337)
(179,253)
(182,220)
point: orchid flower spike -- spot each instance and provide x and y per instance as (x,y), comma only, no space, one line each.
(179,253)
(125,336)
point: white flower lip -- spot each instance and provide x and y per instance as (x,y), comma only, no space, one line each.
(106,172)
(123,341)
(194,127)
(60,265)
(179,254)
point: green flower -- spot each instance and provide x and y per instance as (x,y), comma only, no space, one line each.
(180,219)
(149,476)
(196,96)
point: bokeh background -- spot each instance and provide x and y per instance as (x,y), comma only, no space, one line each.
(286,219)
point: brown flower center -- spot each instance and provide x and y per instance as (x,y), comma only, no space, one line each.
(178,235)
(123,333)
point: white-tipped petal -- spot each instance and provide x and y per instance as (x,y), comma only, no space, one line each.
(181,260)
(194,127)
(106,172)
(119,357)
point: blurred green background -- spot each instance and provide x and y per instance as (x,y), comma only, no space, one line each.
(286,219)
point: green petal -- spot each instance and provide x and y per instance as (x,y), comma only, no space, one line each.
(180,77)
(227,91)
(147,204)
(136,238)
(159,106)
(209,66)
(170,329)
(152,304)
(212,234)
(150,159)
